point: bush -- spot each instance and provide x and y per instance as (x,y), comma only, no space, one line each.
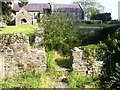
(111,72)
(59,33)
(102,34)
(108,50)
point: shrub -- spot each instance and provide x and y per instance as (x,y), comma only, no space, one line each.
(111,73)
(108,50)
(59,33)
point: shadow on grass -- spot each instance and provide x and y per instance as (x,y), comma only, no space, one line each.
(1,27)
(64,63)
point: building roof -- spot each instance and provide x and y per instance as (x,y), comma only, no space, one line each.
(67,7)
(56,7)
(32,7)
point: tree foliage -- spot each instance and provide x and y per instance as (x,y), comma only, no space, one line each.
(109,52)
(22,3)
(102,16)
(59,33)
(91,8)
(6,12)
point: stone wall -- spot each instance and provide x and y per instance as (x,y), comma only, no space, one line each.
(19,57)
(83,66)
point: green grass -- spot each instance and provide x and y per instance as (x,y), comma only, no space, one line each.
(26,29)
(76,81)
(55,61)
(78,25)
(29,81)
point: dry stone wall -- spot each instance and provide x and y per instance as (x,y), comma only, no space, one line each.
(82,65)
(19,57)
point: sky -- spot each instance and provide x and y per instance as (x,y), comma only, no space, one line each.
(110,5)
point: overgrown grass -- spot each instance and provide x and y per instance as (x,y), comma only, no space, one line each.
(26,29)
(56,61)
(30,81)
(76,81)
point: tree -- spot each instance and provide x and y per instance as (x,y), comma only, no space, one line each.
(91,8)
(6,12)
(111,71)
(22,3)
(59,33)
(102,16)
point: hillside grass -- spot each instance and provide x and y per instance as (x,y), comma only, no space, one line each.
(26,29)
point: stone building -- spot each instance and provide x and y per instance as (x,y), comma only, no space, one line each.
(30,13)
(23,17)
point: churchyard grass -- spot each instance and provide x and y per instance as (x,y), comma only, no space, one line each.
(26,29)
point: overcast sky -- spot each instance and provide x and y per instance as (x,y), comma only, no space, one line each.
(110,5)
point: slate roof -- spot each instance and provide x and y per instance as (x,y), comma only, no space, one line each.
(56,7)
(67,7)
(33,7)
